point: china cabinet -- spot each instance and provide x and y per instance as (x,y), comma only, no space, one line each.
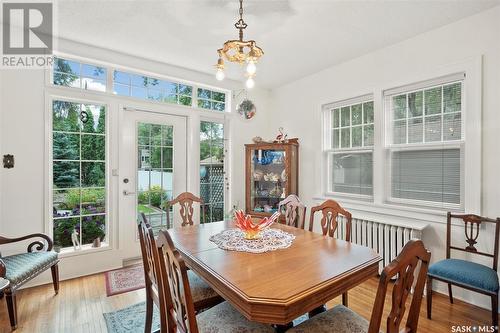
(272,171)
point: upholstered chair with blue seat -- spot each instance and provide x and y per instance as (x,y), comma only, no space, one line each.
(467,274)
(20,268)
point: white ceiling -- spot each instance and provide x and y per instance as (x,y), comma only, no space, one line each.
(299,37)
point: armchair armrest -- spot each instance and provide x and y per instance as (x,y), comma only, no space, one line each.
(37,245)
(3,269)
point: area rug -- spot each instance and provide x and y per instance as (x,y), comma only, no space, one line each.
(131,319)
(124,279)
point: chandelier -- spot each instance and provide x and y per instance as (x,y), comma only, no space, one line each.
(240,51)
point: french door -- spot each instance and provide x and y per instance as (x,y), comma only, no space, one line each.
(153,170)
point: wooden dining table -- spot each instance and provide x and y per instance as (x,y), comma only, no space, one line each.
(278,286)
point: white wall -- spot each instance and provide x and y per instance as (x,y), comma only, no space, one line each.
(297,107)
(22,133)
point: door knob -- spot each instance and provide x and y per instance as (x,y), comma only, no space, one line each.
(125,192)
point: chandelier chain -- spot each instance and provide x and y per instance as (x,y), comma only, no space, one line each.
(240,24)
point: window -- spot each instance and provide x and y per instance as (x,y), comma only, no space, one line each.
(212,169)
(143,87)
(211,100)
(78,172)
(75,74)
(425,143)
(349,147)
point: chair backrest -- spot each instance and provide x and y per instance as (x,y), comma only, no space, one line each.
(293,210)
(405,267)
(152,270)
(329,223)
(181,307)
(186,200)
(472,223)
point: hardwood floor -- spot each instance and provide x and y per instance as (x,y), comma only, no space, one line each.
(81,302)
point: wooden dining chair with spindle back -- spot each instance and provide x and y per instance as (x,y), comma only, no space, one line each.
(479,278)
(293,211)
(186,201)
(403,269)
(152,276)
(181,312)
(203,295)
(331,210)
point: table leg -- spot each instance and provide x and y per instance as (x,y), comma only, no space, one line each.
(282,328)
(316,311)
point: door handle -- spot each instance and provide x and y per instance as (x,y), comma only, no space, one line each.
(125,192)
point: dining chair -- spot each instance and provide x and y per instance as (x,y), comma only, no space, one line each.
(152,276)
(331,210)
(186,200)
(293,211)
(203,296)
(222,318)
(341,319)
(479,278)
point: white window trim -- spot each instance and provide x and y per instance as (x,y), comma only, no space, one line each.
(327,149)
(472,167)
(48,163)
(113,104)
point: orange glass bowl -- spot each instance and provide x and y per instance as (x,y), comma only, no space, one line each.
(250,229)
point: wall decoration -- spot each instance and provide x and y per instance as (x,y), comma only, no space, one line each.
(246,109)
(8,161)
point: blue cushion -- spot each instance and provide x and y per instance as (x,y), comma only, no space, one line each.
(467,273)
(21,267)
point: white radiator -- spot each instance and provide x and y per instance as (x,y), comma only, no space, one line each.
(386,239)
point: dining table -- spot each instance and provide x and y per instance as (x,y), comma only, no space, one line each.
(278,286)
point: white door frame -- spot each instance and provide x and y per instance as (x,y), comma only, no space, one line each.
(128,243)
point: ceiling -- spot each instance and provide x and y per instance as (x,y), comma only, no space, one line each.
(299,37)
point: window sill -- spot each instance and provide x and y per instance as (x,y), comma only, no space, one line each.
(408,216)
(85,249)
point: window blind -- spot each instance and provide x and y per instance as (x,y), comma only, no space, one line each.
(352,173)
(427,175)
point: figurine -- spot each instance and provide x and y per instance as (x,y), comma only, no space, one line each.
(281,137)
(75,240)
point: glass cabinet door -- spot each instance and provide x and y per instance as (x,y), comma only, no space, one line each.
(268,179)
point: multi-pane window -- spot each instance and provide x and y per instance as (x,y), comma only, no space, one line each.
(144,87)
(350,146)
(75,74)
(212,174)
(425,136)
(155,172)
(211,100)
(78,172)
(428,115)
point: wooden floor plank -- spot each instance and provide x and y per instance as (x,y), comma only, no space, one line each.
(81,303)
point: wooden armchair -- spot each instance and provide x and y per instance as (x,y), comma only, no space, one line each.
(404,269)
(467,274)
(20,268)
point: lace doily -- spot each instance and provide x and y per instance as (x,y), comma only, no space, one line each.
(270,240)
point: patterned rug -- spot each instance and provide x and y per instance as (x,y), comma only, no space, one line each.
(124,279)
(131,319)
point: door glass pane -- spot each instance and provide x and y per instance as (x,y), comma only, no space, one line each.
(212,176)
(155,173)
